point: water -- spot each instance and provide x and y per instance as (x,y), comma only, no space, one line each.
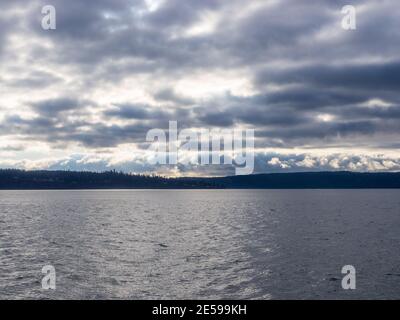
(200,244)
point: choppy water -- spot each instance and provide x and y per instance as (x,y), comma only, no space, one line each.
(206,244)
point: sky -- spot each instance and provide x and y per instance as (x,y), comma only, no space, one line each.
(84,96)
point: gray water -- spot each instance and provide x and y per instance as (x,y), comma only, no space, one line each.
(200,244)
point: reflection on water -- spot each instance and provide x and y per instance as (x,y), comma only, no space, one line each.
(206,244)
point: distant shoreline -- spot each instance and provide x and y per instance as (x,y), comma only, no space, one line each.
(195,189)
(12,179)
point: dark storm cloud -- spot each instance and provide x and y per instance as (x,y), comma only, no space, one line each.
(253,114)
(383,76)
(305,97)
(101,135)
(33,80)
(60,130)
(124,29)
(53,107)
(298,124)
(5,28)
(114,29)
(180,13)
(129,111)
(217,119)
(388,113)
(169,95)
(117,29)
(323,130)
(79,20)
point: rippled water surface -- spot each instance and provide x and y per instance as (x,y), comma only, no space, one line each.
(206,244)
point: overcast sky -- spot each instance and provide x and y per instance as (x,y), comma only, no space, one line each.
(83,96)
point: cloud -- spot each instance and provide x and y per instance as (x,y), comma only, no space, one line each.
(264,162)
(34,79)
(128,111)
(169,95)
(53,107)
(114,69)
(382,76)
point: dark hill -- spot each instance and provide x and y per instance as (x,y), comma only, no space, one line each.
(20,179)
(313,180)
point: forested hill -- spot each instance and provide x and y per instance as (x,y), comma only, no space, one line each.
(20,179)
